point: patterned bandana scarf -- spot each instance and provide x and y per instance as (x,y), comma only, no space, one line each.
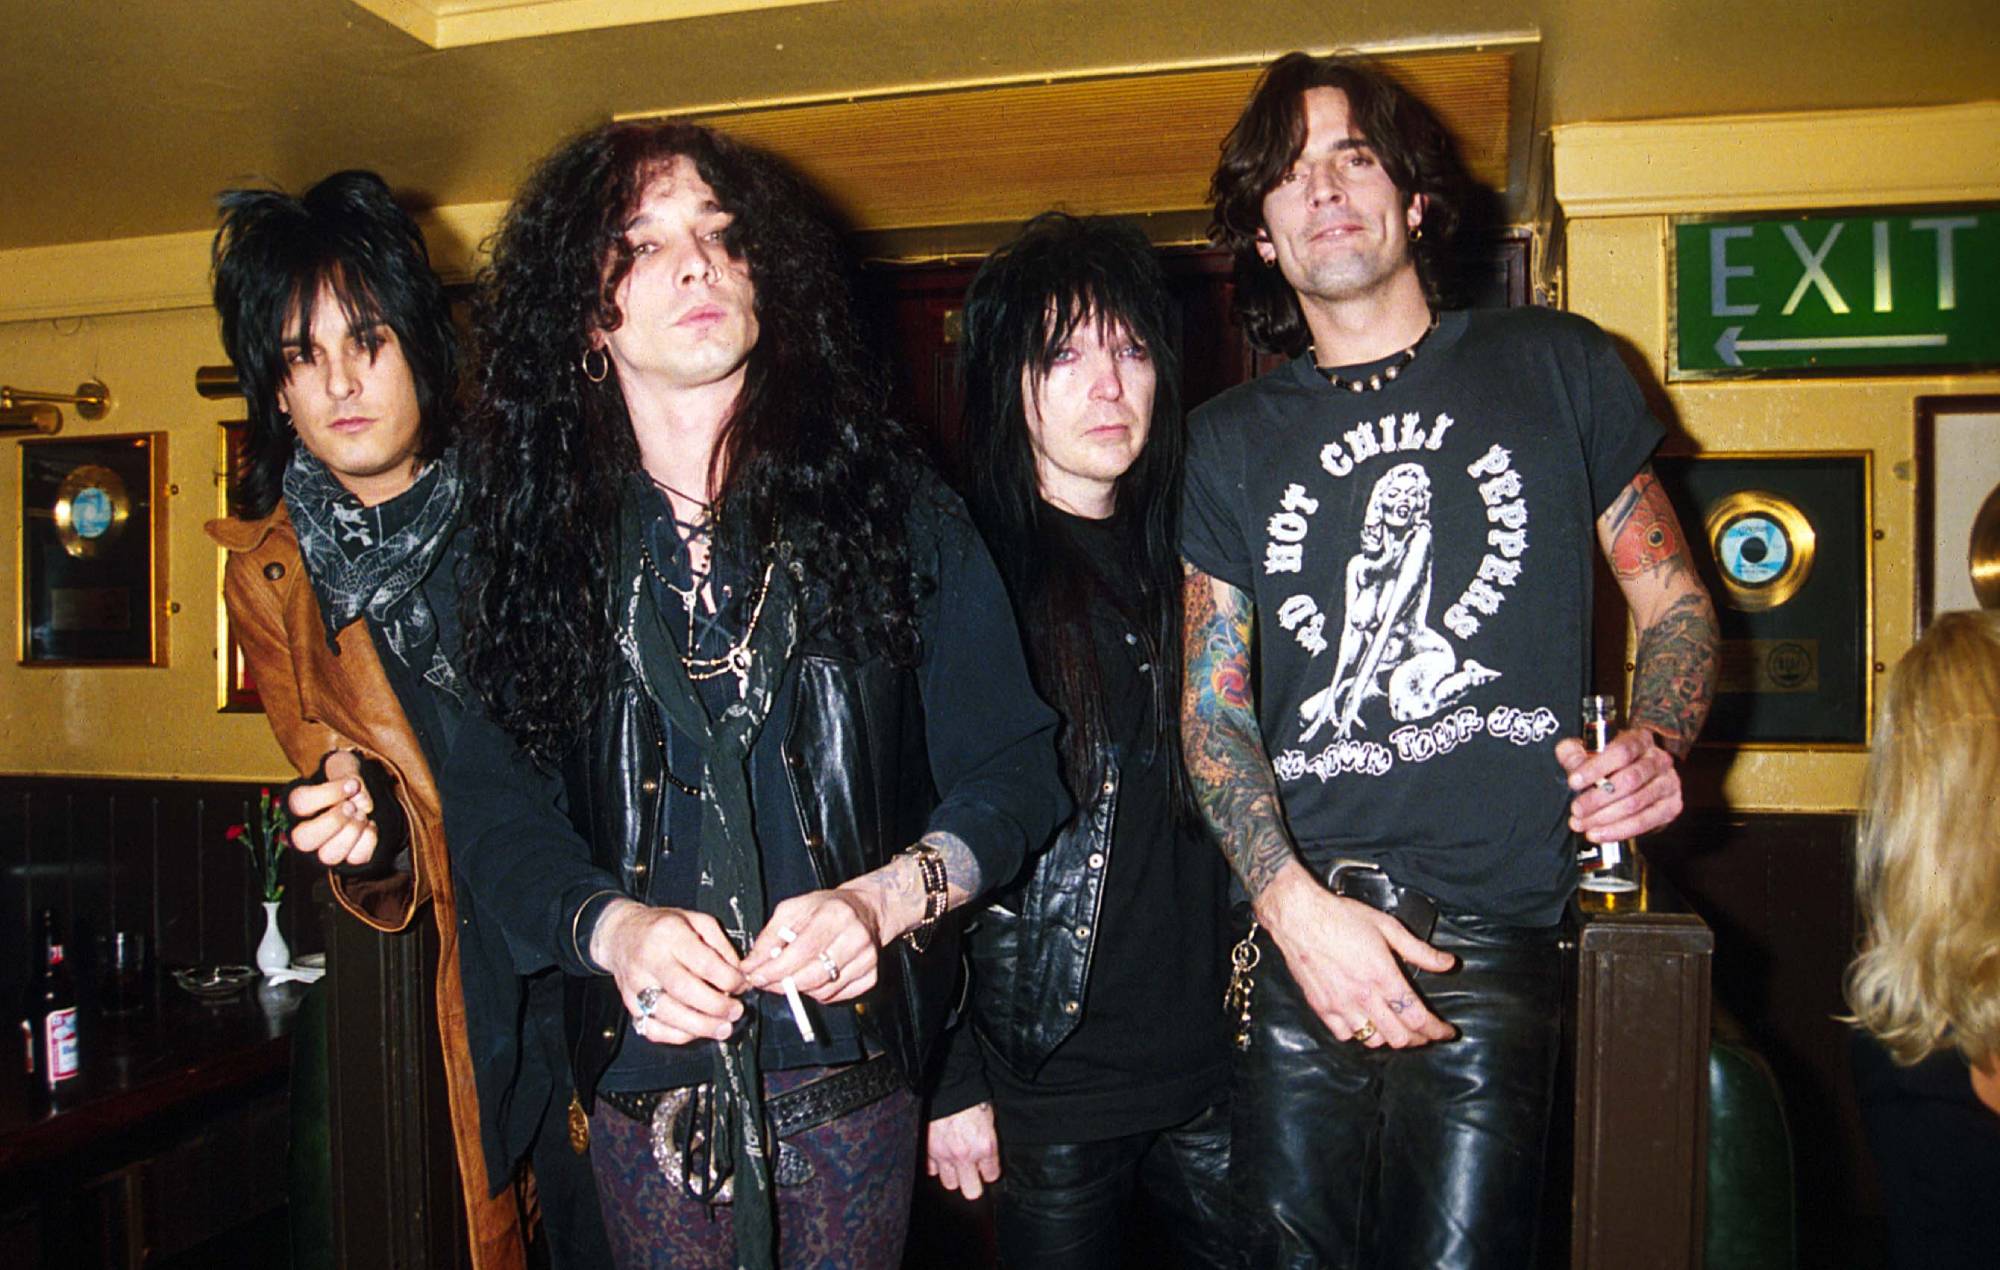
(732,872)
(373,560)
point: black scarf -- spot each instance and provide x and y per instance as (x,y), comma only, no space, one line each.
(374,560)
(732,872)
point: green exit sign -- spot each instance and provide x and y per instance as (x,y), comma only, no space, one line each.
(1864,291)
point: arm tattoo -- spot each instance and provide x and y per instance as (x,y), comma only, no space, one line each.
(1220,739)
(1645,536)
(1675,680)
(1675,677)
(961,867)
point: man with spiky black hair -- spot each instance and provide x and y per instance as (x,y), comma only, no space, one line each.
(342,588)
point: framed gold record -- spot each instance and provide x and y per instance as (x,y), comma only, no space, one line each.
(93,572)
(92,506)
(1764,548)
(1787,559)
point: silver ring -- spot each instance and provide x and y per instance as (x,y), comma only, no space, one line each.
(1607,786)
(832,967)
(648,998)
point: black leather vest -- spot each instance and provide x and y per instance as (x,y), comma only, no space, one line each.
(1031,946)
(851,766)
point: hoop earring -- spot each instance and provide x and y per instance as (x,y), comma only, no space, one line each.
(1416,233)
(285,418)
(603,365)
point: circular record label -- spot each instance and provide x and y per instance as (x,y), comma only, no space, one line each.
(1763,546)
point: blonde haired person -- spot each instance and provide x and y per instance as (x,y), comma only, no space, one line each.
(1926,986)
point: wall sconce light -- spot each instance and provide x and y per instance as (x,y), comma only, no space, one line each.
(26,410)
(216,382)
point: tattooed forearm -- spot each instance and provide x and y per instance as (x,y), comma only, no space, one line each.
(897,888)
(961,867)
(1674,682)
(1223,746)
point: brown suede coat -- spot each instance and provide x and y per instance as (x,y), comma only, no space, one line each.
(317,703)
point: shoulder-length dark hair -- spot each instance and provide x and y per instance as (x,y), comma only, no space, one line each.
(273,255)
(806,453)
(1058,274)
(1415,149)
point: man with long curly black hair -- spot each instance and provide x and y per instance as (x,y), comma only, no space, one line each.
(755,712)
(1401,522)
(1089,1077)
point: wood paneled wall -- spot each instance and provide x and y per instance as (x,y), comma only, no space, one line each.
(144,855)
(1777,891)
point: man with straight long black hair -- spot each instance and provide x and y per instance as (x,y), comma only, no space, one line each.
(1092,1065)
(343,592)
(1402,521)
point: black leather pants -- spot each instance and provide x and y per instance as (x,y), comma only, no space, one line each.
(1431,1158)
(1070,1205)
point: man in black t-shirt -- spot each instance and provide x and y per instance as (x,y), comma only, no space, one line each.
(1401,520)
(1091,1064)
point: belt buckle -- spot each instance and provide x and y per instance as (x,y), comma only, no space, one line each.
(1368,883)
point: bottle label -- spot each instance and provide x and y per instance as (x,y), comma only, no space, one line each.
(63,1054)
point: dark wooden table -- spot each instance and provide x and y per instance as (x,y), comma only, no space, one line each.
(175,1128)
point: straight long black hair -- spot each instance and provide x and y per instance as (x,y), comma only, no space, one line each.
(273,255)
(1058,275)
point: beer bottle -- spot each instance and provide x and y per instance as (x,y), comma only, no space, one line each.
(48,1018)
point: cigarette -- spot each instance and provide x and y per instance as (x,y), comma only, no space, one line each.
(798,1009)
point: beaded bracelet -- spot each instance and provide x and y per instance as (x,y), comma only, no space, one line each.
(930,864)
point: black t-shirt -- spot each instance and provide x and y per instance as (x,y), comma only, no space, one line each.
(1420,561)
(1150,1051)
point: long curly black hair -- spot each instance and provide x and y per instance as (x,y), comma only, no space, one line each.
(807,454)
(1415,149)
(272,255)
(1032,294)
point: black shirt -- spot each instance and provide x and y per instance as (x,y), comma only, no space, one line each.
(1421,562)
(1150,1051)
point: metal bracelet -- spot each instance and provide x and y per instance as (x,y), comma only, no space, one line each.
(930,864)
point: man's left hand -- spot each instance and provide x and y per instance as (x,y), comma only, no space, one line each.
(1629,787)
(826,941)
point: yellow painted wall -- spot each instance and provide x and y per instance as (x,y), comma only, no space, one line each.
(1619,185)
(135,314)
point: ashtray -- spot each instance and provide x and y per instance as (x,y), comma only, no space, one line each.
(215,983)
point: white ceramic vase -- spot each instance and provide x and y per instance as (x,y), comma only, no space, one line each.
(273,953)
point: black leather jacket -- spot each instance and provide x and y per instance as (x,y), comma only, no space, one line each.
(1030,947)
(851,767)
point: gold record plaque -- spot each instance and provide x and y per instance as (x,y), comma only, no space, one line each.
(91,508)
(1764,547)
(1982,555)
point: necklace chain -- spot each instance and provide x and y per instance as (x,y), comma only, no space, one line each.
(1386,375)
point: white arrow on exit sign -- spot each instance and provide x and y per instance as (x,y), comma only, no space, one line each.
(1729,345)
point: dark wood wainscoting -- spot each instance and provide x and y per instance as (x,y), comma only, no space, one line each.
(1777,891)
(144,855)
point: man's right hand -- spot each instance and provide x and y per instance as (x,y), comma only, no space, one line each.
(962,1150)
(332,819)
(685,955)
(1342,954)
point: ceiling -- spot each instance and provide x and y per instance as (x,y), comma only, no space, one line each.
(121,118)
